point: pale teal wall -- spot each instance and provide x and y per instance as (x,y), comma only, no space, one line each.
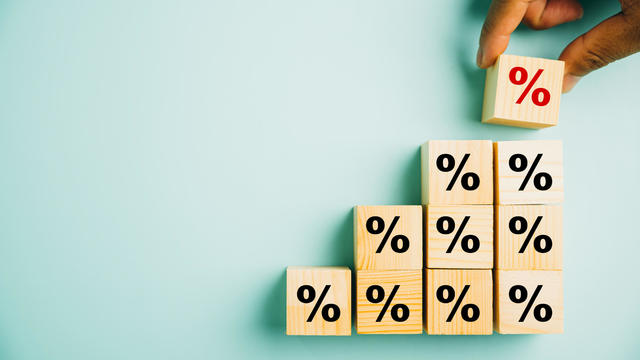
(162,162)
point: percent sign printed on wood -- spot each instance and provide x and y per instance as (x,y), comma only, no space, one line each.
(388,237)
(528,172)
(389,301)
(523,91)
(459,236)
(529,302)
(457,172)
(460,302)
(318,300)
(529,237)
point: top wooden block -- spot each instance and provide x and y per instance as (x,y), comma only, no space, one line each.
(523,91)
(528,172)
(457,172)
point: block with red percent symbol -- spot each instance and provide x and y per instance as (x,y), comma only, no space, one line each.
(523,91)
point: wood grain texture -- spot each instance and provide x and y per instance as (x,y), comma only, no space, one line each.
(435,182)
(480,224)
(409,224)
(508,244)
(339,278)
(501,95)
(409,293)
(508,181)
(479,293)
(508,313)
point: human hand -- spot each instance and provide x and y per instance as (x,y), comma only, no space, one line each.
(611,40)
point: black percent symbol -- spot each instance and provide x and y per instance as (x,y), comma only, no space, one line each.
(469,243)
(541,243)
(541,312)
(375,295)
(469,312)
(541,181)
(399,242)
(469,180)
(307,294)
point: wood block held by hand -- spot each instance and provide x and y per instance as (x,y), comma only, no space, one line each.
(528,302)
(528,172)
(389,301)
(459,236)
(458,302)
(523,91)
(318,300)
(388,237)
(528,237)
(457,172)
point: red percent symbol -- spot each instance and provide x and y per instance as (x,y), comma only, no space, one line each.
(522,78)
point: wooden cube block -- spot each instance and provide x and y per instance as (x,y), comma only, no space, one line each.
(528,302)
(457,172)
(389,301)
(459,302)
(528,237)
(459,236)
(523,91)
(388,237)
(318,300)
(528,172)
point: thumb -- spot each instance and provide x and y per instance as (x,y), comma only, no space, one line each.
(611,40)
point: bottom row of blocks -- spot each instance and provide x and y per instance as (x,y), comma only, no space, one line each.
(456,301)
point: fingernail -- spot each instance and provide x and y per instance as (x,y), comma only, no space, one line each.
(569,82)
(479,57)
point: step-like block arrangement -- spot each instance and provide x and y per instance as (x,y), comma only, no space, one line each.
(523,91)
(459,236)
(389,301)
(459,302)
(318,300)
(388,237)
(528,302)
(453,242)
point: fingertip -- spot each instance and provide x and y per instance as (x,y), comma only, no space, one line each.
(488,61)
(479,58)
(547,14)
(485,59)
(573,11)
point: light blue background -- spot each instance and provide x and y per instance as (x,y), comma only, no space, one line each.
(164,161)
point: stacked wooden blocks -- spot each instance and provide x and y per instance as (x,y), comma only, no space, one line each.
(483,253)
(388,257)
(486,207)
(528,241)
(457,178)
